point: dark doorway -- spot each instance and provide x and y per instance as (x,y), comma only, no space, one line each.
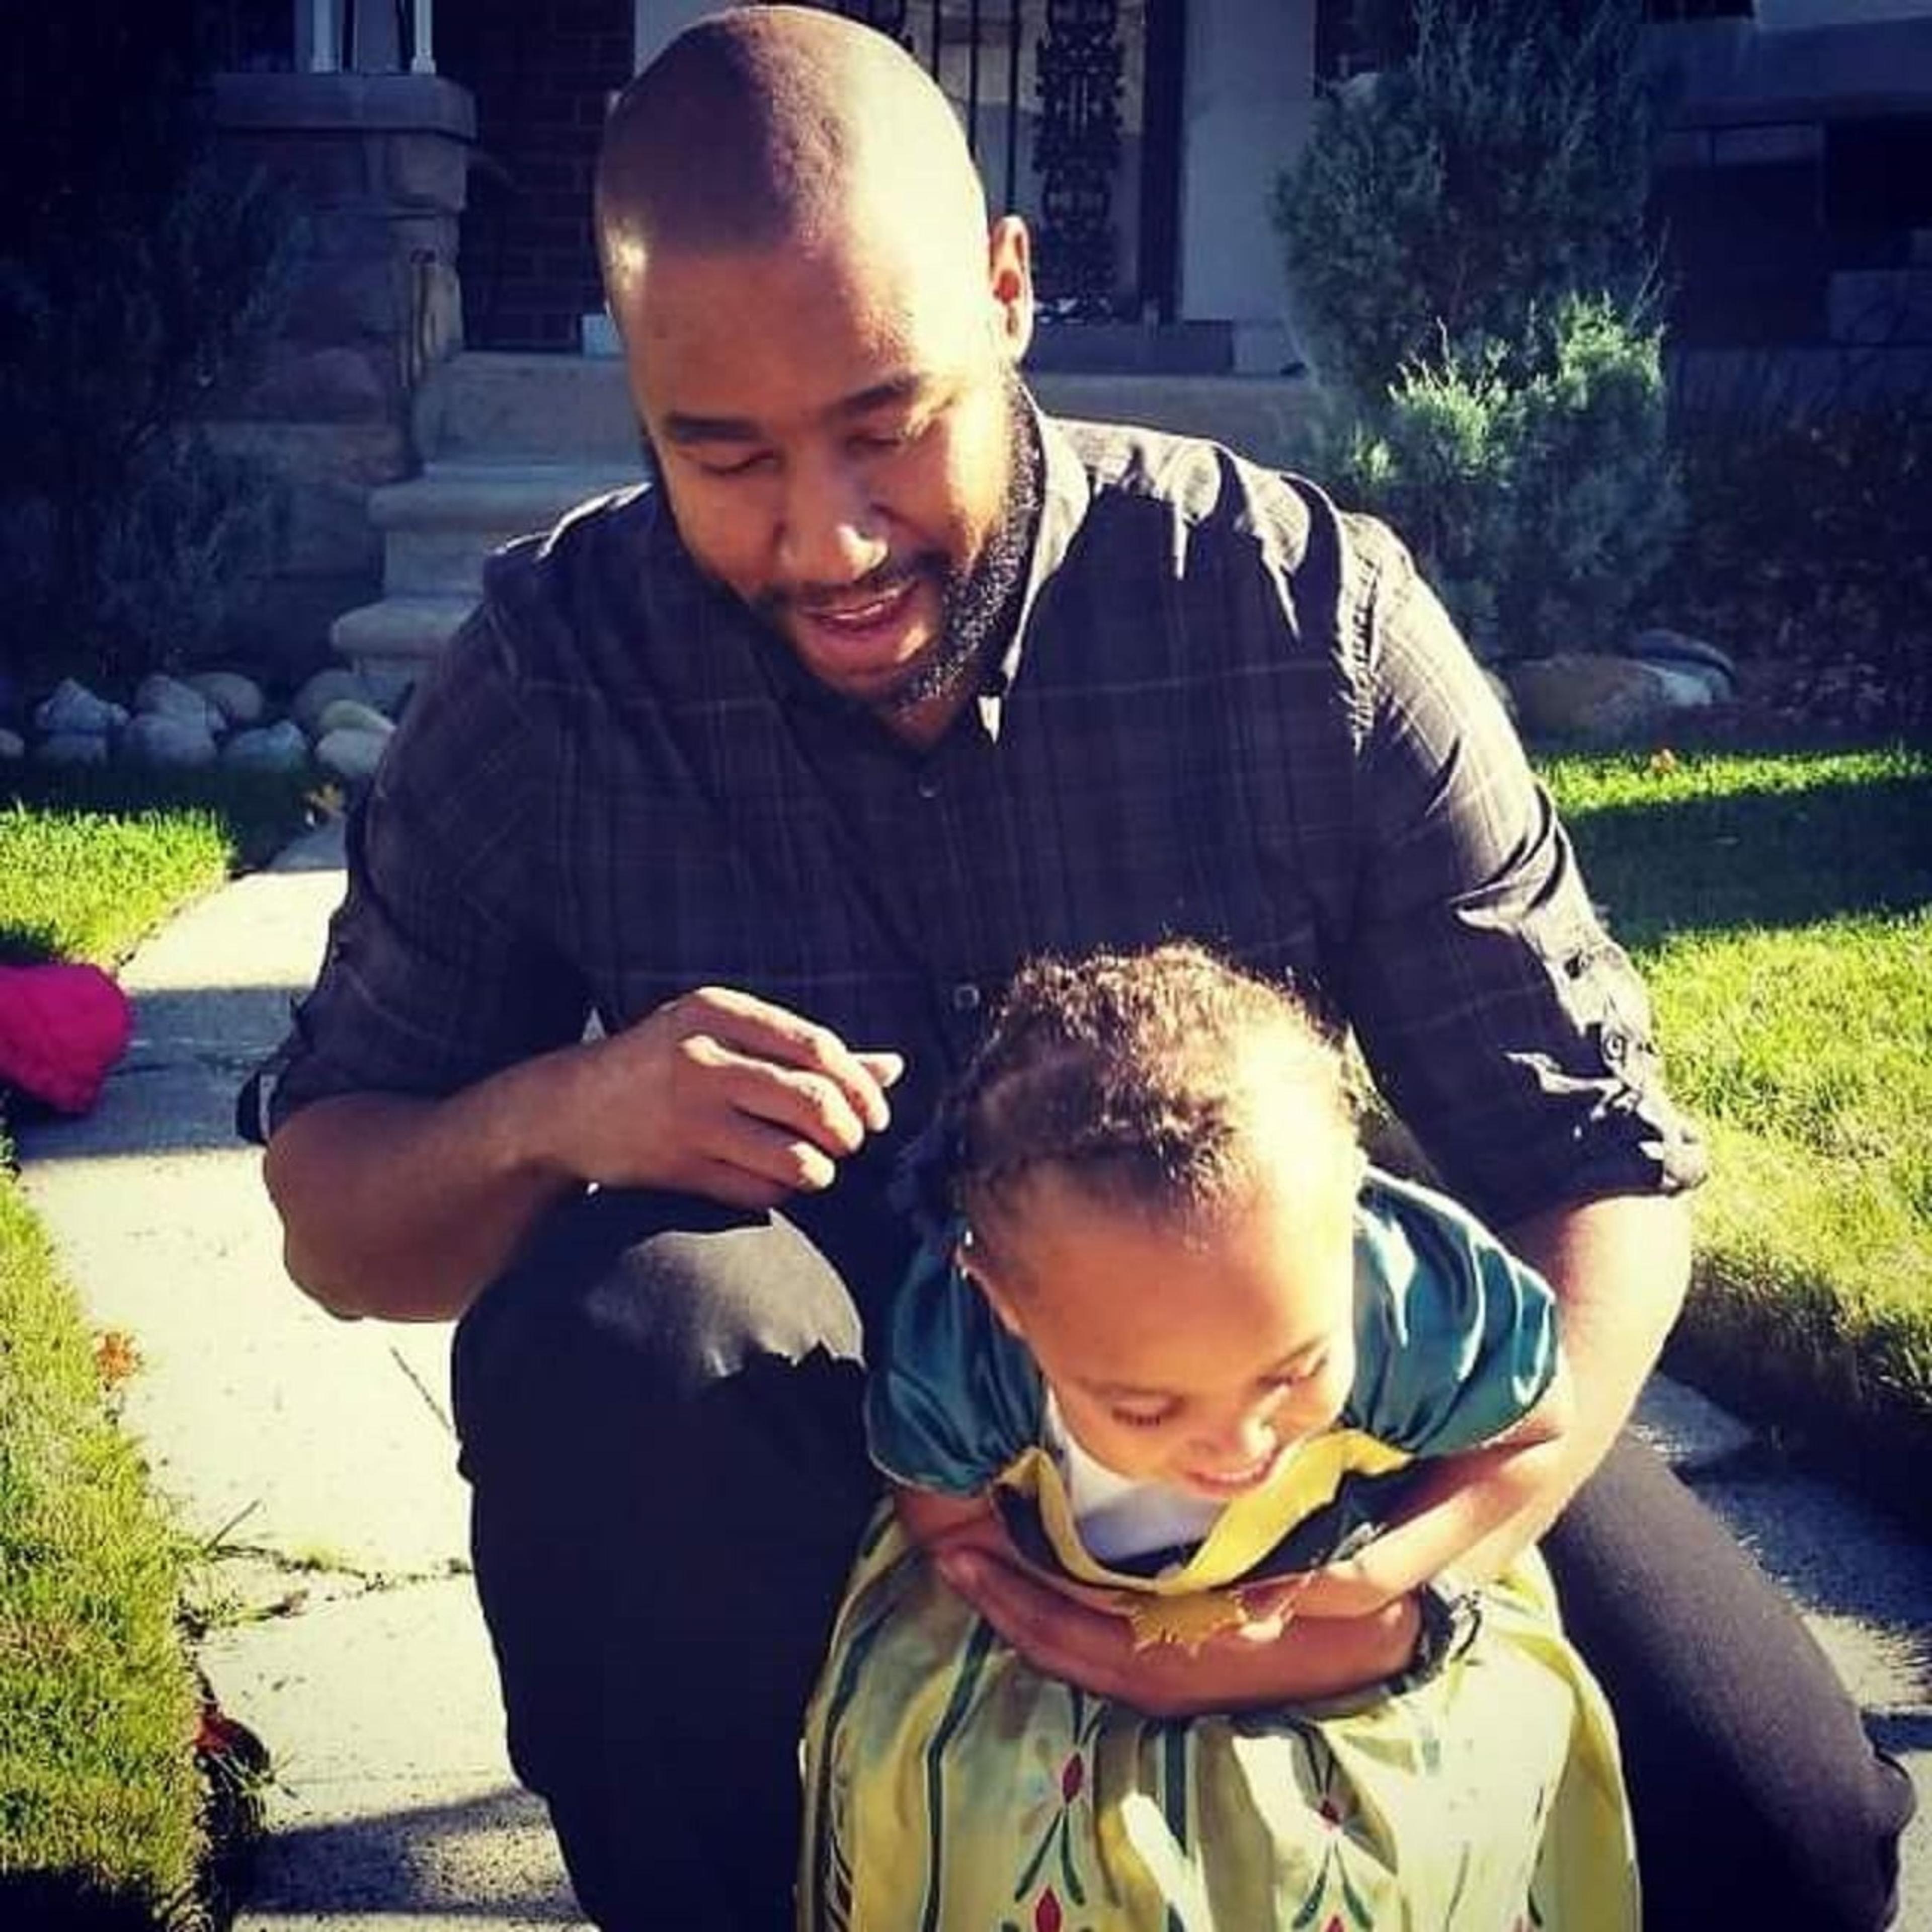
(542,72)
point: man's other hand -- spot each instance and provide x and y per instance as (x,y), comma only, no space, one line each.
(721,1093)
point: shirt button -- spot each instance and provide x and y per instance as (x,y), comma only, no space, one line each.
(928,786)
(966,997)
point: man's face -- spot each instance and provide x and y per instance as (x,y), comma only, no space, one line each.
(834,423)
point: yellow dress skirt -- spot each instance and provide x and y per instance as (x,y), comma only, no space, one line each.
(950,1787)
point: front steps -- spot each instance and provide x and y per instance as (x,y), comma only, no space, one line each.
(437,529)
(510,442)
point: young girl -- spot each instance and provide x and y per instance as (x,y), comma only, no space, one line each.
(1171,1341)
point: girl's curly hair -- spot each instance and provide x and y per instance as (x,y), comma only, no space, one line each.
(1134,1074)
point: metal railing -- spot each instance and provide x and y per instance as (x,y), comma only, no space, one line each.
(376,37)
(319,36)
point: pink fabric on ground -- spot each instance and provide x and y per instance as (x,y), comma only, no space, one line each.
(61,1028)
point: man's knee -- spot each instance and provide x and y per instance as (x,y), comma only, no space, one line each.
(648,1299)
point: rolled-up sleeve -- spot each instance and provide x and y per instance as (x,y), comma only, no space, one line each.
(440,968)
(1508,1029)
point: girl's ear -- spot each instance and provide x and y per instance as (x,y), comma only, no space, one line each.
(971,1262)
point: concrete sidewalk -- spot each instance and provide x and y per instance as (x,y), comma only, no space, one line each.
(320,1455)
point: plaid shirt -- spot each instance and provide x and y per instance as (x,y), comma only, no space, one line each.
(1230,712)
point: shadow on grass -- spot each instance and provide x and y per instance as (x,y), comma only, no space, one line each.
(1753,860)
(261,810)
(22,944)
(68,1901)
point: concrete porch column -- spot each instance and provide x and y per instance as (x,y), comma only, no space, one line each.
(375,164)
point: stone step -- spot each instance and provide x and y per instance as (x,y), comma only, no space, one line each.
(1268,419)
(494,407)
(390,642)
(438,527)
(512,442)
(490,407)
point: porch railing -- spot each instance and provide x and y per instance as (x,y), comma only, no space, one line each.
(1072,108)
(318,36)
(375,40)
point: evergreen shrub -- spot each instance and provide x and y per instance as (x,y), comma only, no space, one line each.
(1531,476)
(1466,242)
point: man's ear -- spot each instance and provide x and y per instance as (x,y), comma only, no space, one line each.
(1009,278)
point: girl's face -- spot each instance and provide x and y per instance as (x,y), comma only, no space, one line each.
(1194,1354)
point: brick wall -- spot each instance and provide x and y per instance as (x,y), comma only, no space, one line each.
(1793,199)
(541,70)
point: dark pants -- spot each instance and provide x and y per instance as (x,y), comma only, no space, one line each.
(659,1416)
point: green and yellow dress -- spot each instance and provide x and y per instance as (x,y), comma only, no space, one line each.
(951,1788)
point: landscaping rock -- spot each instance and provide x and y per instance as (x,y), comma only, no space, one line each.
(13,747)
(1599,700)
(1700,674)
(1659,646)
(351,756)
(72,708)
(72,747)
(271,748)
(160,696)
(238,699)
(168,742)
(321,690)
(1691,687)
(348,714)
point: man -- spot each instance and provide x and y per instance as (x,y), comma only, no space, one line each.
(780,768)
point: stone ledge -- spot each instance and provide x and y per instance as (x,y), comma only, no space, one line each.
(1728,73)
(489,495)
(411,628)
(404,103)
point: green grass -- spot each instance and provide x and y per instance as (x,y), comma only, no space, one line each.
(1781,908)
(102,1808)
(98,1705)
(90,863)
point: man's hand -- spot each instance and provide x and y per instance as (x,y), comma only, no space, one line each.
(1266,1662)
(720,1094)
(398,1206)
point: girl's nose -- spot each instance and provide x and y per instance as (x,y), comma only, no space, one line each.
(1245,1439)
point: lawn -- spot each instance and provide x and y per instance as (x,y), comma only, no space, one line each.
(1781,908)
(101,1805)
(89,862)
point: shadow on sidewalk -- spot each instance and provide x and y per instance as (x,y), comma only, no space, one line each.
(489,1857)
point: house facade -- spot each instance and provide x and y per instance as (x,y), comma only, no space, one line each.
(1140,138)
(443,150)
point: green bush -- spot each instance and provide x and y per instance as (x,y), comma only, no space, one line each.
(1531,477)
(1460,191)
(1465,244)
(138,277)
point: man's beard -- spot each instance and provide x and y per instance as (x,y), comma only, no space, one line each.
(977,605)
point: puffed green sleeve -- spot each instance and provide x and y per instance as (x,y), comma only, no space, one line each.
(951,1397)
(1455,1338)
